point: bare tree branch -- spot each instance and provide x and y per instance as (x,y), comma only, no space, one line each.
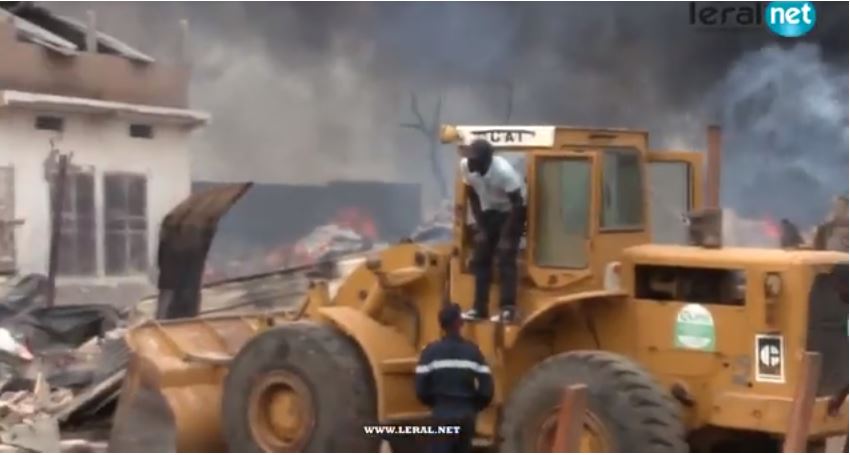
(431,133)
(414,107)
(435,120)
(413,126)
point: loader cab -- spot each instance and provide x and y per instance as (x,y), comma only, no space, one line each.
(591,193)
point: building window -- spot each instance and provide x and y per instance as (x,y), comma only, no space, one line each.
(140,130)
(49,123)
(125,223)
(622,190)
(77,252)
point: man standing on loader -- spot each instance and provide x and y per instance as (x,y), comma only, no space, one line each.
(453,379)
(496,196)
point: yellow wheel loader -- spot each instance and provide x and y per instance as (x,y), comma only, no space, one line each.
(684,344)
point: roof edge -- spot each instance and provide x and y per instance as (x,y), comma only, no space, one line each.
(153,114)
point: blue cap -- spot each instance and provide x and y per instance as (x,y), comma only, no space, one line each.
(449,315)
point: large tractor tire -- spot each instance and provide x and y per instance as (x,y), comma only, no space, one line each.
(301,387)
(626,410)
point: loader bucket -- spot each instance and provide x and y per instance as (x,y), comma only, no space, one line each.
(142,406)
(171,398)
(184,241)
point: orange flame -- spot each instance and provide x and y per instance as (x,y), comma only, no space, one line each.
(771,228)
(358,221)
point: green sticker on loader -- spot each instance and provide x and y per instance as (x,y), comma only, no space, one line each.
(694,328)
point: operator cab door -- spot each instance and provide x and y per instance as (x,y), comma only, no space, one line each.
(588,206)
(674,188)
(560,217)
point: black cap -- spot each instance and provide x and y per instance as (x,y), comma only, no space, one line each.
(480,147)
(449,315)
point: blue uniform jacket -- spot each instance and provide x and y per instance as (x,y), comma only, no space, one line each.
(453,379)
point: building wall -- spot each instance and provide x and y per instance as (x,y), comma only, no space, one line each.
(31,68)
(103,143)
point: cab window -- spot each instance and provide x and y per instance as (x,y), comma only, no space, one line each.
(669,201)
(562,193)
(622,190)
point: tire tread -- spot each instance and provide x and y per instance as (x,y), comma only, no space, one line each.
(647,417)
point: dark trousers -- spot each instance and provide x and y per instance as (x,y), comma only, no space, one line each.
(493,222)
(454,443)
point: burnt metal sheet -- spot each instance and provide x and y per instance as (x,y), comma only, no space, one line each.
(38,34)
(110,42)
(184,241)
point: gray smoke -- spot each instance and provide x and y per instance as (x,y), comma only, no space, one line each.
(787,139)
(305,92)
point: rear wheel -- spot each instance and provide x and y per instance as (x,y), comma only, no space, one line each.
(301,387)
(626,410)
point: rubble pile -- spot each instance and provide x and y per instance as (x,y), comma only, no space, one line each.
(61,370)
(329,252)
(349,231)
(437,227)
(321,244)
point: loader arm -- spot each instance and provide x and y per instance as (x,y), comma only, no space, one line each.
(184,241)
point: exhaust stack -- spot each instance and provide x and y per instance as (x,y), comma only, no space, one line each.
(705,227)
(714,160)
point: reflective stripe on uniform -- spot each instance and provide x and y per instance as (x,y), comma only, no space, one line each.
(459,364)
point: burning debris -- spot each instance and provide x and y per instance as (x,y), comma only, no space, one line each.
(350,230)
(437,227)
(832,234)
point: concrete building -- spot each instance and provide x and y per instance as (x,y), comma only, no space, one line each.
(124,117)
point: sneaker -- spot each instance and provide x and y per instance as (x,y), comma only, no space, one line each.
(506,316)
(473,315)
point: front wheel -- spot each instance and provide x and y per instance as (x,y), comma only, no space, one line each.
(300,387)
(626,410)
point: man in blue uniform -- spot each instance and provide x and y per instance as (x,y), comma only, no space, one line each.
(453,379)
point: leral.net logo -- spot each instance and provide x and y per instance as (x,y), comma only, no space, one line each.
(790,19)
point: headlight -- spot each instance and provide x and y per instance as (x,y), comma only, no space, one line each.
(772,285)
(449,134)
(611,280)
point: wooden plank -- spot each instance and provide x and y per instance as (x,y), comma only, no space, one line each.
(91,393)
(797,435)
(570,419)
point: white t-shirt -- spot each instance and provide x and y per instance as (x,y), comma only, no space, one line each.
(493,187)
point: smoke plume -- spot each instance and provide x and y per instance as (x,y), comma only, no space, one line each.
(305,92)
